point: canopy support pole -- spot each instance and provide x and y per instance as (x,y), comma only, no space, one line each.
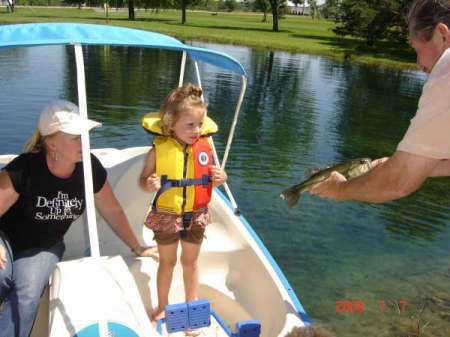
(199,81)
(233,125)
(228,146)
(230,137)
(182,70)
(87,170)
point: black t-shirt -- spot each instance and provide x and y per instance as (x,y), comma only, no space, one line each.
(47,205)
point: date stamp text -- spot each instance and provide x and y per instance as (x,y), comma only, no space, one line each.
(358,306)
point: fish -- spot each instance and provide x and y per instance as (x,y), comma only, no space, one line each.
(349,169)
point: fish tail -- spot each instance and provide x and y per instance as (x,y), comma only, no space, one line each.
(292,194)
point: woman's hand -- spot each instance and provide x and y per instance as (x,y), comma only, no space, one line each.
(218,176)
(2,257)
(151,251)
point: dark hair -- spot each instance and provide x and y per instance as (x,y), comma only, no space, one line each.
(424,15)
(189,96)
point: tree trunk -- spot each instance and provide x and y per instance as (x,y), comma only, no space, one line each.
(131,10)
(264,17)
(275,18)
(183,12)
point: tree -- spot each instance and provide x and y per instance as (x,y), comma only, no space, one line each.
(313,9)
(230,5)
(184,4)
(373,20)
(263,6)
(131,10)
(275,5)
(330,9)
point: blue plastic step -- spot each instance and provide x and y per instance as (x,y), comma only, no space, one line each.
(177,318)
(199,314)
(250,328)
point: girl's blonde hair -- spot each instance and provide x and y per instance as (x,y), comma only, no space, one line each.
(186,97)
(36,143)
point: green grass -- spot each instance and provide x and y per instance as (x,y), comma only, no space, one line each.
(297,34)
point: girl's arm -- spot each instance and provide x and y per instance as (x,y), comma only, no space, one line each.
(149,181)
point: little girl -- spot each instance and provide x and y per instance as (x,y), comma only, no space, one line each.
(179,168)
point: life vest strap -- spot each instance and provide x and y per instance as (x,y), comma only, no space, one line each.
(204,180)
(187,218)
(167,184)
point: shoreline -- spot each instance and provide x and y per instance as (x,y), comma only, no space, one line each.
(298,34)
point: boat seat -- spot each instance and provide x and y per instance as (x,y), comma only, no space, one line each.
(5,159)
(124,180)
(85,290)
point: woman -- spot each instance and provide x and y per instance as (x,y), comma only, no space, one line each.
(41,194)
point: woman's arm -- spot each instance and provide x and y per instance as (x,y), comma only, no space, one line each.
(8,196)
(112,212)
(2,257)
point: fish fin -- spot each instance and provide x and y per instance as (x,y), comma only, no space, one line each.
(293,200)
(292,194)
(310,172)
(330,165)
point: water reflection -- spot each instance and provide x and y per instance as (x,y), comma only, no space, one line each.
(299,112)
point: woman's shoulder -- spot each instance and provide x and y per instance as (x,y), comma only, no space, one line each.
(25,159)
(96,161)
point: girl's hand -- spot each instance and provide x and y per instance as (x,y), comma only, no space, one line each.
(2,257)
(218,176)
(153,182)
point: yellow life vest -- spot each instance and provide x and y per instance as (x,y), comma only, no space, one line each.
(185,184)
(151,122)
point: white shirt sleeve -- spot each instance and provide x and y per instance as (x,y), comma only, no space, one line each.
(428,134)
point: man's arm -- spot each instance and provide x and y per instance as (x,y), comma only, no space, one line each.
(442,169)
(395,178)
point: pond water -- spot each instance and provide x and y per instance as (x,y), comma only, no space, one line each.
(299,112)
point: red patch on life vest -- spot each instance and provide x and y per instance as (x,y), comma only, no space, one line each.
(202,153)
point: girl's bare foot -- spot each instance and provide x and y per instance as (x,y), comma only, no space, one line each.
(193,332)
(156,316)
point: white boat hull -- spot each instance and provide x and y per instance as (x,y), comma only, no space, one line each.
(237,275)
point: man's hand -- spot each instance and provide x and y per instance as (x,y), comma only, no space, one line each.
(329,188)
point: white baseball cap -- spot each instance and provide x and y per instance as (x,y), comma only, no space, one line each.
(63,116)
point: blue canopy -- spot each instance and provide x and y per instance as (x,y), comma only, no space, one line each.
(38,34)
